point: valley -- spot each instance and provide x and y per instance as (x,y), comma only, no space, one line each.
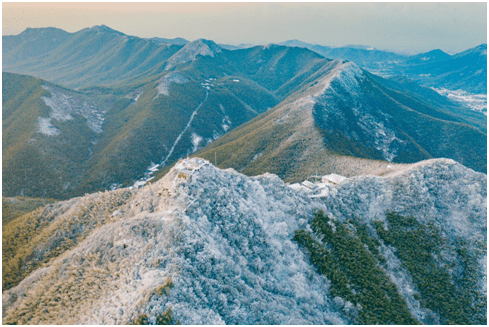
(150,180)
(109,136)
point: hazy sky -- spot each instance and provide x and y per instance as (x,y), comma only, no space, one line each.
(452,27)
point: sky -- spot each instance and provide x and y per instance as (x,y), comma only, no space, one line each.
(404,27)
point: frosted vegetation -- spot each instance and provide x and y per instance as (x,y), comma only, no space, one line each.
(476,102)
(440,192)
(214,246)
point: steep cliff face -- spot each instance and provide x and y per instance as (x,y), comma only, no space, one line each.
(216,246)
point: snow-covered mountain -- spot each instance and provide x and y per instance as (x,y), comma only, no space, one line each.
(210,246)
(191,50)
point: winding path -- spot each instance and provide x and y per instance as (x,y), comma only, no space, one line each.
(185,129)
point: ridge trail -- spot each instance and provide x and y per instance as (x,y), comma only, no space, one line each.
(185,129)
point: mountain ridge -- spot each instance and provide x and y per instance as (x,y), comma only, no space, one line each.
(238,85)
(344,111)
(385,222)
(215,243)
(423,68)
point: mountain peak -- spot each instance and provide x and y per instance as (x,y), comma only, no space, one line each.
(177,40)
(105,29)
(190,51)
(295,43)
(359,47)
(436,54)
(271,46)
(43,30)
(203,43)
(346,73)
(480,50)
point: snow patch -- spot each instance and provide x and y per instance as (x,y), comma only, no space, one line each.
(64,104)
(148,175)
(166,80)
(403,280)
(46,127)
(196,141)
(475,102)
(226,123)
(136,98)
(383,137)
(256,156)
(115,186)
(215,135)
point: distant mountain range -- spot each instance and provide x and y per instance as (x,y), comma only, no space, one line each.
(364,56)
(103,56)
(162,102)
(466,70)
(177,40)
(92,56)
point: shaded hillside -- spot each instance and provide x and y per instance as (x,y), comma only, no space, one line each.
(45,148)
(92,56)
(61,143)
(343,112)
